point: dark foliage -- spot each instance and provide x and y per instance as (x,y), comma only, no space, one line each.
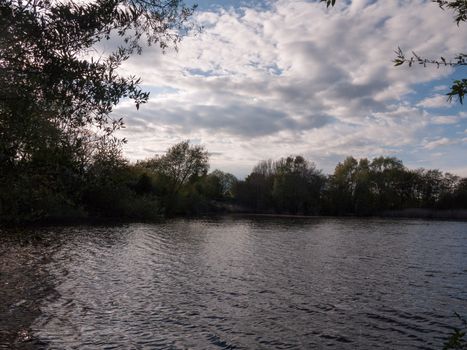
(357,187)
(458,338)
(56,98)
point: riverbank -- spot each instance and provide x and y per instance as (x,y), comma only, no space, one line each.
(417,213)
(235,210)
(410,213)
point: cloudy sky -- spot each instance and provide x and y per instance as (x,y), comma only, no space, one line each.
(265,79)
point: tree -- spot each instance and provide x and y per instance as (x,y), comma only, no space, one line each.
(181,163)
(175,176)
(225,183)
(363,196)
(51,89)
(256,191)
(386,177)
(297,185)
(56,96)
(363,187)
(342,185)
(459,199)
(291,184)
(459,87)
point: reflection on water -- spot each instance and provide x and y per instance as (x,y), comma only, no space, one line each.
(250,283)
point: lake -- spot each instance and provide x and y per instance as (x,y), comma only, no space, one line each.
(234,283)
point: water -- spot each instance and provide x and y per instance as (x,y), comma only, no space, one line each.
(236,283)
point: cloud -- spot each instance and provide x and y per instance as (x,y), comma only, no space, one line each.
(436,101)
(438,143)
(294,78)
(445,119)
(440,88)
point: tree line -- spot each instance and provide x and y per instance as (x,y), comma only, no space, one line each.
(179,183)
(357,187)
(60,159)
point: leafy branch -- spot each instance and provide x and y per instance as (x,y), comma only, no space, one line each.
(458,6)
(458,339)
(458,88)
(329,2)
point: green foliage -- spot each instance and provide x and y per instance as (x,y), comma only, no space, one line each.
(357,187)
(385,184)
(177,183)
(56,99)
(297,186)
(52,92)
(290,185)
(458,338)
(181,166)
(216,186)
(459,87)
(458,6)
(225,183)
(115,189)
(341,187)
(182,163)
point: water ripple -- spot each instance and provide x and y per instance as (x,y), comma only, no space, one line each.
(250,283)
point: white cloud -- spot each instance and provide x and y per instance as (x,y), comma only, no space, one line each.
(436,101)
(296,78)
(444,141)
(441,88)
(445,119)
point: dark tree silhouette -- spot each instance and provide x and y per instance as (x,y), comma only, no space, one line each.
(56,95)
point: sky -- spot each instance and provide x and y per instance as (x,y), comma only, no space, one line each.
(268,79)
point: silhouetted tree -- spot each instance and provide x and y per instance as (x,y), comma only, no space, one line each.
(180,165)
(55,98)
(386,176)
(342,186)
(297,186)
(218,185)
(291,185)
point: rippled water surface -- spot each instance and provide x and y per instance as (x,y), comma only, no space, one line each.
(237,283)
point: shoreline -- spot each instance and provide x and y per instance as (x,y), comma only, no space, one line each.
(414,213)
